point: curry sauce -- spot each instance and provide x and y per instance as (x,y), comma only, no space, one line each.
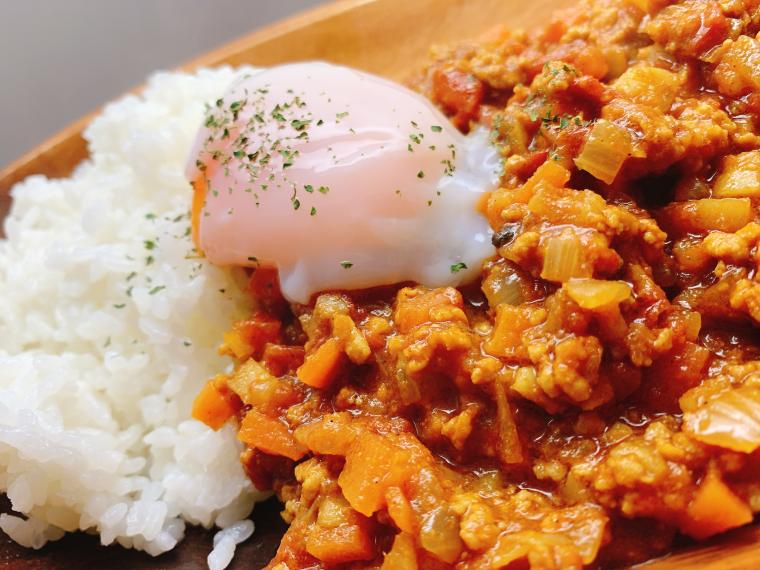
(596,394)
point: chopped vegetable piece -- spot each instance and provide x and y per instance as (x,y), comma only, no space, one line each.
(736,74)
(248,338)
(373,464)
(351,338)
(739,177)
(340,534)
(333,435)
(320,366)
(504,286)
(510,449)
(270,436)
(648,85)
(400,510)
(562,258)
(732,420)
(460,94)
(596,294)
(607,147)
(699,216)
(549,173)
(214,406)
(715,508)
(511,323)
(346,543)
(439,534)
(258,388)
(414,308)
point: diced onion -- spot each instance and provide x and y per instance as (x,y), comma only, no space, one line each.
(700,216)
(595,293)
(724,214)
(562,258)
(605,151)
(503,286)
(648,85)
(439,534)
(732,420)
(739,177)
(510,448)
(249,375)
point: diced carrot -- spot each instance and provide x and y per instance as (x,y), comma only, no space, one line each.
(459,93)
(376,331)
(715,508)
(532,162)
(249,337)
(331,435)
(320,367)
(551,173)
(270,436)
(587,58)
(373,464)
(691,27)
(346,543)
(400,510)
(279,359)
(292,550)
(415,306)
(402,555)
(213,406)
(506,340)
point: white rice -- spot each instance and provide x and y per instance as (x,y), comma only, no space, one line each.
(108,329)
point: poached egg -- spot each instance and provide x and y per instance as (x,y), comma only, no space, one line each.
(340,179)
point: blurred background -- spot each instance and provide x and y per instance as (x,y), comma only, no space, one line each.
(61,59)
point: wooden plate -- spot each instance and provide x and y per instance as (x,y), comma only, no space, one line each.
(388,37)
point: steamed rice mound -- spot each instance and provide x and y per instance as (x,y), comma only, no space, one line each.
(108,328)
